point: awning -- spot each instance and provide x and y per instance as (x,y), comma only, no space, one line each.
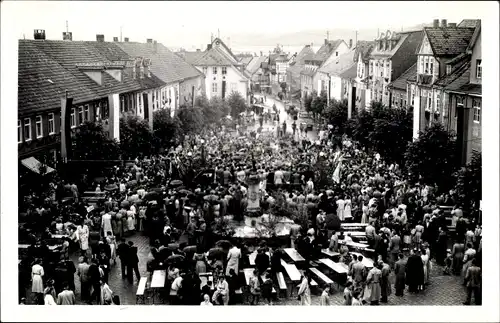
(33,164)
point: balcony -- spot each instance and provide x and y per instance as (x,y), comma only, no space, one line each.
(424,79)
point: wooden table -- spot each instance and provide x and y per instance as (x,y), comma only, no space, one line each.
(158,281)
(321,276)
(355,244)
(291,270)
(330,253)
(335,266)
(59,236)
(294,254)
(366,261)
(358,234)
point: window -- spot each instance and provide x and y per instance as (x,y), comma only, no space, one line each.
(19,132)
(224,70)
(86,114)
(476,105)
(336,53)
(214,87)
(421,58)
(142,72)
(214,70)
(73,118)
(38,127)
(371,68)
(52,128)
(27,129)
(479,69)
(431,65)
(80,113)
(448,69)
(426,70)
(438,104)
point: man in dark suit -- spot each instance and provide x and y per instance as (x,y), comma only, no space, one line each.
(400,273)
(122,251)
(132,263)
(473,279)
(359,272)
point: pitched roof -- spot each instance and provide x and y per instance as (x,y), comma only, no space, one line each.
(401,38)
(456,73)
(307,50)
(308,71)
(350,73)
(225,47)
(213,57)
(364,48)
(340,64)
(254,64)
(461,83)
(246,60)
(400,82)
(475,36)
(166,65)
(449,41)
(189,57)
(469,23)
(326,49)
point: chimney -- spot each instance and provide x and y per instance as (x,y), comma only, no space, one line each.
(100,38)
(115,39)
(326,41)
(452,25)
(149,40)
(350,43)
(155,46)
(39,34)
(209,46)
(67,35)
(198,50)
(126,39)
(444,23)
(435,24)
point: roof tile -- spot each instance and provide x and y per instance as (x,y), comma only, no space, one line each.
(449,41)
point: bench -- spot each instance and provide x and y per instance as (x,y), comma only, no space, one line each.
(281,282)
(321,276)
(293,254)
(158,281)
(141,289)
(313,282)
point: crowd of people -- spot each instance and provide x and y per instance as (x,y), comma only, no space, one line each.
(318,184)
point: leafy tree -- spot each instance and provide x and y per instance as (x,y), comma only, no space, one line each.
(308,102)
(336,115)
(469,183)
(432,157)
(236,104)
(191,119)
(319,103)
(91,142)
(215,111)
(283,87)
(166,130)
(136,138)
(363,126)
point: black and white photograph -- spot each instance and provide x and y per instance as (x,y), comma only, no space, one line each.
(238,154)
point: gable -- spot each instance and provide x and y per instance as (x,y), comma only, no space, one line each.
(425,47)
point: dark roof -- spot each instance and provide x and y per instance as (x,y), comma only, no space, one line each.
(36,92)
(189,57)
(461,83)
(166,65)
(307,50)
(469,23)
(403,38)
(350,73)
(225,47)
(448,41)
(447,79)
(213,57)
(364,48)
(400,82)
(326,49)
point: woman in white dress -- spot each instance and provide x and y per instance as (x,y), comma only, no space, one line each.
(305,292)
(82,232)
(425,263)
(37,281)
(233,259)
(347,208)
(50,294)
(364,217)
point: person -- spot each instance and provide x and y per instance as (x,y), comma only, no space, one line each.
(262,261)
(95,281)
(206,301)
(199,258)
(448,263)
(37,274)
(106,224)
(473,280)
(267,289)
(325,296)
(457,253)
(334,241)
(49,293)
(132,263)
(233,259)
(441,246)
(221,295)
(394,247)
(400,272)
(470,254)
(340,209)
(414,271)
(348,294)
(122,252)
(234,285)
(356,299)
(370,234)
(304,291)
(385,283)
(106,297)
(174,289)
(426,265)
(372,289)
(82,234)
(254,284)
(358,272)
(83,273)
(66,297)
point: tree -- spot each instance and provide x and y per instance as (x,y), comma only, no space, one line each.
(136,138)
(215,110)
(308,102)
(166,130)
(283,87)
(336,115)
(191,119)
(236,104)
(469,183)
(319,103)
(432,157)
(91,142)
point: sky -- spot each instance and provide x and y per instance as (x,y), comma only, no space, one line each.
(189,23)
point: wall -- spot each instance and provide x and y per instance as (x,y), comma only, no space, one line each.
(232,76)
(316,82)
(185,89)
(476,54)
(396,96)
(336,88)
(405,56)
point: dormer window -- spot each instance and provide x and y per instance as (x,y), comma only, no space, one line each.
(448,69)
(141,72)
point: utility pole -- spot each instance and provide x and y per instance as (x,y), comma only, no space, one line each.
(356,39)
(120,34)
(67,30)
(327,35)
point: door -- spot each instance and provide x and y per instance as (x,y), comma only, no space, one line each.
(223,89)
(145,103)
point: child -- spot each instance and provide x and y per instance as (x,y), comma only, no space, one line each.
(207,289)
(355,299)
(348,294)
(448,262)
(325,296)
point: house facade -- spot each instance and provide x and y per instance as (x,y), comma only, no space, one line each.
(360,82)
(293,77)
(51,70)
(392,55)
(223,72)
(440,58)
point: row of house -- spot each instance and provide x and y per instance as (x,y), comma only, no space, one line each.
(102,78)
(435,71)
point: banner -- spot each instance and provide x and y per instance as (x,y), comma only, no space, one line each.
(336,173)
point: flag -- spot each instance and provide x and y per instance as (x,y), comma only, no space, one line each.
(336,173)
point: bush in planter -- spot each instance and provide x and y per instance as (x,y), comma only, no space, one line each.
(223,228)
